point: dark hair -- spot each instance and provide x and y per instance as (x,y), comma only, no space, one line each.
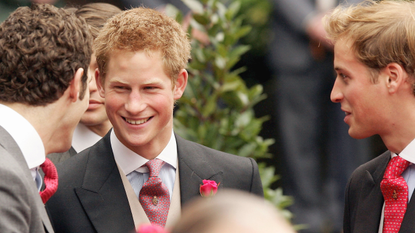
(41,48)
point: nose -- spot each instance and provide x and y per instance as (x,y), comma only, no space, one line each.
(135,103)
(336,95)
(93,85)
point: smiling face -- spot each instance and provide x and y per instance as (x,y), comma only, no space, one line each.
(139,100)
(362,100)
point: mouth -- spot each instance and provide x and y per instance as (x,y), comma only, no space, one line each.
(94,102)
(346,112)
(137,122)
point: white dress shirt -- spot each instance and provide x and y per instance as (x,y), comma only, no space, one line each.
(130,161)
(25,136)
(83,138)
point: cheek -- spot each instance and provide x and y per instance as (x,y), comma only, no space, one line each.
(113,102)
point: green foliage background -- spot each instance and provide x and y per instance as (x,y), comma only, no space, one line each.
(216,109)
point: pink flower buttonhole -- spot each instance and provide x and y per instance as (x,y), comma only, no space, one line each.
(209,188)
(151,228)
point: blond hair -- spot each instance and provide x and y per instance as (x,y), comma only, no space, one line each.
(144,29)
(380,33)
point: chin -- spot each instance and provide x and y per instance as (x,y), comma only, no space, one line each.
(358,135)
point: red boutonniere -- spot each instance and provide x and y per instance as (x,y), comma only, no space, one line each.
(209,188)
(151,228)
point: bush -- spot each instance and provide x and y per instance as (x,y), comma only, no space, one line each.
(216,109)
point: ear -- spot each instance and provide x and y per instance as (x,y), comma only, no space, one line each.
(181,84)
(395,77)
(76,85)
(98,79)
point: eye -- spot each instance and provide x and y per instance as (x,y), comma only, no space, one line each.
(344,77)
(150,88)
(120,88)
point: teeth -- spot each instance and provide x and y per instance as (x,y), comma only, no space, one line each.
(139,122)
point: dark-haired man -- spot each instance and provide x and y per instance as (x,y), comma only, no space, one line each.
(43,94)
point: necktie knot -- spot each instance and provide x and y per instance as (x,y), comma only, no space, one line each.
(51,180)
(395,167)
(154,166)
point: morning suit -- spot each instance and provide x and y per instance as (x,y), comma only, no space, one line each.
(317,154)
(82,138)
(364,199)
(60,157)
(21,208)
(93,199)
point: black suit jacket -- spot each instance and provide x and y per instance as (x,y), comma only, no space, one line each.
(364,200)
(91,196)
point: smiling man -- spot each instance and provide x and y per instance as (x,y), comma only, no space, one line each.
(141,171)
(375,63)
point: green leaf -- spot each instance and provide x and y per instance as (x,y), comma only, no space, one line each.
(201,19)
(233,9)
(173,12)
(239,50)
(194,5)
(243,31)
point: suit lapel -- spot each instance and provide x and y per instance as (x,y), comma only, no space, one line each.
(102,193)
(371,199)
(193,169)
(409,217)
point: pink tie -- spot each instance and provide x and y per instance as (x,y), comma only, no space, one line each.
(154,196)
(51,180)
(395,193)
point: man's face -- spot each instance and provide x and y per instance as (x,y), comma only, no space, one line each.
(95,114)
(360,98)
(139,99)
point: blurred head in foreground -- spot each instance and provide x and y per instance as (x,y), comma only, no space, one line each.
(231,211)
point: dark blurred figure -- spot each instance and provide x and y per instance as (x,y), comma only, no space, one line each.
(317,155)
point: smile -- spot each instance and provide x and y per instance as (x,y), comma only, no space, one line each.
(137,122)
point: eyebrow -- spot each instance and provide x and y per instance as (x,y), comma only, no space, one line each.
(337,68)
(152,81)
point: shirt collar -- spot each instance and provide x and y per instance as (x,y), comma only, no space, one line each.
(130,161)
(83,138)
(25,135)
(408,152)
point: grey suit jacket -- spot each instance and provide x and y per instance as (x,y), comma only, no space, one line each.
(21,209)
(91,196)
(364,199)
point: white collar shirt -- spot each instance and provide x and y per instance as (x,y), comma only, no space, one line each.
(130,161)
(26,137)
(83,138)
